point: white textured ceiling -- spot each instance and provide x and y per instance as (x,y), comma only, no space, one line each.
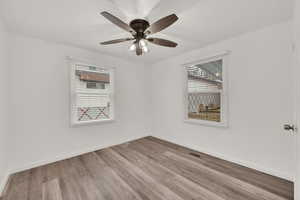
(78,22)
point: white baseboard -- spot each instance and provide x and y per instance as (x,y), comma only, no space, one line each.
(3,183)
(248,164)
(64,156)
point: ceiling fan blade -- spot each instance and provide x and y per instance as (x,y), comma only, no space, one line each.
(116,41)
(139,51)
(162,42)
(161,24)
(118,22)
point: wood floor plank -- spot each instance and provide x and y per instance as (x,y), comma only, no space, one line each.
(52,171)
(76,182)
(51,190)
(183,187)
(136,178)
(19,187)
(36,179)
(80,188)
(247,188)
(146,169)
(211,182)
(273,184)
(110,185)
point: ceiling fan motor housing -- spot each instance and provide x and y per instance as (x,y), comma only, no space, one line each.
(139,25)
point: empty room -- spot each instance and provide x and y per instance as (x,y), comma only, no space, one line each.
(149,100)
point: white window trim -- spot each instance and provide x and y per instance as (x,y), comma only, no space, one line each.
(73,62)
(224,93)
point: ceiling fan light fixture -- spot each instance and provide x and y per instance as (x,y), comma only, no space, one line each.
(132,47)
(143,43)
(145,49)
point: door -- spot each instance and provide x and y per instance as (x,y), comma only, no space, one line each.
(297,93)
(297,119)
(297,122)
(297,181)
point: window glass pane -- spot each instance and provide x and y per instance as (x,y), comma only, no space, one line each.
(205,85)
(92,93)
(95,85)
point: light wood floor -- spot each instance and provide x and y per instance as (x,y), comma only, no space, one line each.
(146,169)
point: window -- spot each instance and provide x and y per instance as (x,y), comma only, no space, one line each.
(205,91)
(91,94)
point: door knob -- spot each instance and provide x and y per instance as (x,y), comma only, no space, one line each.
(289,127)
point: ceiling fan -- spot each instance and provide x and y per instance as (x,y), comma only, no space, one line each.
(140,29)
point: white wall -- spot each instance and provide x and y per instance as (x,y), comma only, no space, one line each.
(40,103)
(260,102)
(3,103)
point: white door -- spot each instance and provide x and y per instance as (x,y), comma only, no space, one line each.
(297,119)
(297,182)
(297,93)
(297,122)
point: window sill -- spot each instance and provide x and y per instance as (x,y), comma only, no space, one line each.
(94,122)
(207,123)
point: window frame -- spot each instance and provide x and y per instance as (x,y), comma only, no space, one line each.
(73,63)
(223,93)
